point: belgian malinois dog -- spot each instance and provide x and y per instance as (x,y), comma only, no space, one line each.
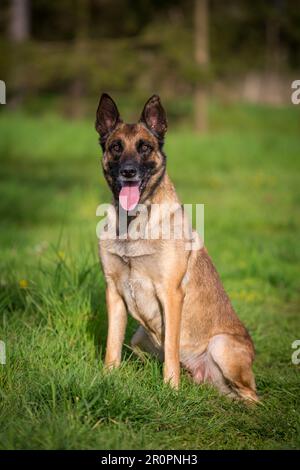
(176,295)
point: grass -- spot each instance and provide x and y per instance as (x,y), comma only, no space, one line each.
(54,392)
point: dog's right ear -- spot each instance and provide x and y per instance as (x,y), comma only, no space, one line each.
(107,117)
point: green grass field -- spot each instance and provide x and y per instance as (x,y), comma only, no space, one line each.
(54,392)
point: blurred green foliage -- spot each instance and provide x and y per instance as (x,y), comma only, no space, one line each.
(81,47)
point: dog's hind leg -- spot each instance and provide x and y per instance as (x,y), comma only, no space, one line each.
(233,356)
(141,341)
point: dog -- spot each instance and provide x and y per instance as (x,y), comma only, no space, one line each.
(186,318)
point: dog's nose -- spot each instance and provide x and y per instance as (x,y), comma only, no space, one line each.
(128,172)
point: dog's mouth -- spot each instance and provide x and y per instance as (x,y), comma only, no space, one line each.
(130,194)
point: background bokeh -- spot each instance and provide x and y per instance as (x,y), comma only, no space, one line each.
(58,56)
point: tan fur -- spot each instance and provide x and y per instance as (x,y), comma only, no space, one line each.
(177,297)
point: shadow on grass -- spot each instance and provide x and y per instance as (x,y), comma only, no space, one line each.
(97,324)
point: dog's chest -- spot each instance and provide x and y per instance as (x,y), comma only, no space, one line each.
(140,296)
(136,283)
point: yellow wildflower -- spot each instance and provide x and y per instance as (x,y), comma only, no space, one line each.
(61,255)
(23,283)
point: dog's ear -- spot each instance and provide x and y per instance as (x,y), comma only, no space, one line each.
(154,117)
(107,117)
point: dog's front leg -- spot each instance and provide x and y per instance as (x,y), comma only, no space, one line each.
(172,305)
(117,320)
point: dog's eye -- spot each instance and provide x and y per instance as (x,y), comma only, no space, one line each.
(145,148)
(116,147)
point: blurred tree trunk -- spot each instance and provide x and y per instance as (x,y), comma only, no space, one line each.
(19,25)
(273,52)
(202,59)
(82,20)
(76,107)
(18,33)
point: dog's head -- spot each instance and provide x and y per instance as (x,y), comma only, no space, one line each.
(133,161)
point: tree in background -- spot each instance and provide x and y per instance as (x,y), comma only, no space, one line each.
(274,56)
(78,85)
(202,59)
(18,33)
(19,24)
(59,55)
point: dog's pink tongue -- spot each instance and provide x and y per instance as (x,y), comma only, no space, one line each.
(129,197)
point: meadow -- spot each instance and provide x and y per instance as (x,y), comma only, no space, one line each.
(54,392)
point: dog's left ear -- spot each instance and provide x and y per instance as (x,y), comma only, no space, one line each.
(154,117)
(107,117)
